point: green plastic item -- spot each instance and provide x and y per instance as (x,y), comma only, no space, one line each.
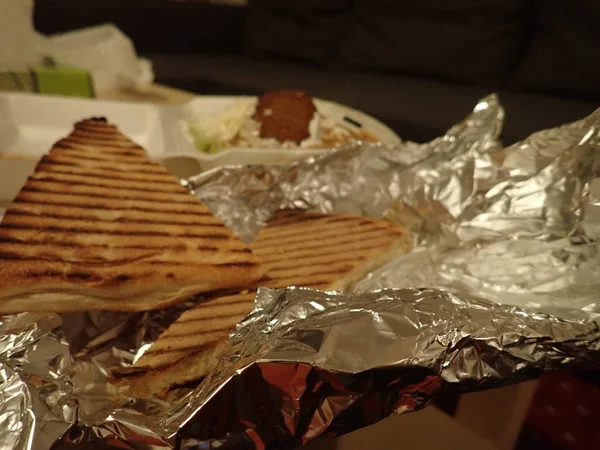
(50,81)
(61,81)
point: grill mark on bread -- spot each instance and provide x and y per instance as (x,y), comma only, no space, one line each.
(211,222)
(100,140)
(207,312)
(118,241)
(110,166)
(84,203)
(282,222)
(107,227)
(329,233)
(43,177)
(188,318)
(100,130)
(307,281)
(53,169)
(209,341)
(136,152)
(280,232)
(81,276)
(50,244)
(219,300)
(104,208)
(202,339)
(56,181)
(325,237)
(116,232)
(93,136)
(200,328)
(187,264)
(284,229)
(329,255)
(98,157)
(92,262)
(98,143)
(235,308)
(172,188)
(106,196)
(347,263)
(7,256)
(132,372)
(99,133)
(310,253)
(97,127)
(81,159)
(302,278)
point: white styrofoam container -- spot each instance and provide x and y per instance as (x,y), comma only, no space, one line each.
(30,124)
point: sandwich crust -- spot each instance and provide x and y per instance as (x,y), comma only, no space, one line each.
(99,225)
(297,249)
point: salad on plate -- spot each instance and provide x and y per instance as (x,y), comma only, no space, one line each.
(277,120)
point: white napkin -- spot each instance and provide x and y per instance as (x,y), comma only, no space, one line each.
(19,42)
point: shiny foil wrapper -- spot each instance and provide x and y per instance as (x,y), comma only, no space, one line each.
(500,286)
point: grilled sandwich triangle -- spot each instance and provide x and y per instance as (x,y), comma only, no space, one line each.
(297,249)
(100,226)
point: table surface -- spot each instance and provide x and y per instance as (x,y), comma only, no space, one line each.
(429,429)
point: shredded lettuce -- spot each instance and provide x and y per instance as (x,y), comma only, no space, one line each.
(204,142)
(212,133)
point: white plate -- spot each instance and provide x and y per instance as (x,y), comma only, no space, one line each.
(30,124)
(184,159)
(207,105)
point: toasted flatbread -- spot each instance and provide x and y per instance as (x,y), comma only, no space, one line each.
(298,249)
(100,226)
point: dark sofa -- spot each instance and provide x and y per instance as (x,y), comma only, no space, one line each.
(418,65)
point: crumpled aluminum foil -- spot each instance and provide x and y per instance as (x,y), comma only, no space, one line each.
(445,177)
(526,244)
(489,225)
(591,216)
(329,363)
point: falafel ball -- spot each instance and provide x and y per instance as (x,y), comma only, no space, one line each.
(285,115)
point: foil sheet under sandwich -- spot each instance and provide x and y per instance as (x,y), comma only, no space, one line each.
(501,285)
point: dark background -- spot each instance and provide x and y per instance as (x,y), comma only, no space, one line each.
(418,65)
